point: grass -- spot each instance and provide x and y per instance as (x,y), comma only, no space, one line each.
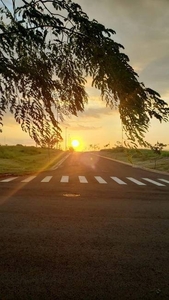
(19,160)
(141,157)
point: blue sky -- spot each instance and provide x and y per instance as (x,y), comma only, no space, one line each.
(142,27)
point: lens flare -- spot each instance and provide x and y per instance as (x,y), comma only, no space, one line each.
(75,143)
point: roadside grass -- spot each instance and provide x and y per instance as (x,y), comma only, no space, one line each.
(20,160)
(141,157)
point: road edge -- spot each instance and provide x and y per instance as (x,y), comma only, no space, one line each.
(58,164)
(134,165)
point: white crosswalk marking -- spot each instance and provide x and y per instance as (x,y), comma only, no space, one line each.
(164,180)
(28,179)
(82,179)
(119,181)
(64,179)
(154,182)
(46,179)
(100,179)
(8,179)
(135,181)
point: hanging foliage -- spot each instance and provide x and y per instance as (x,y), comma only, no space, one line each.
(49,48)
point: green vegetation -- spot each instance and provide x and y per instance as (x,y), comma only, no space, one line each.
(141,157)
(18,160)
(21,160)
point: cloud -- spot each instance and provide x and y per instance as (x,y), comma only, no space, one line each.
(159,78)
(142,27)
(96,112)
(84,127)
(9,120)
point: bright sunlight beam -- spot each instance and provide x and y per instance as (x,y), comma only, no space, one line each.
(75,143)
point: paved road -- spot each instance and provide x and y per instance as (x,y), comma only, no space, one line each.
(90,228)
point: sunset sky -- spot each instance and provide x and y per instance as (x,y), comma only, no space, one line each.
(142,27)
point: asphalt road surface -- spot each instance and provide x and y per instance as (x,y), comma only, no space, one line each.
(91,228)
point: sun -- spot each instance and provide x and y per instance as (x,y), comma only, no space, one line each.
(75,143)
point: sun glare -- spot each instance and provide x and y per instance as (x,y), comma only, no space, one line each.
(75,143)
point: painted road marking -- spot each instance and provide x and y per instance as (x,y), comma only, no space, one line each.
(119,181)
(60,162)
(64,179)
(164,180)
(46,179)
(135,181)
(100,179)
(154,182)
(28,179)
(8,179)
(82,179)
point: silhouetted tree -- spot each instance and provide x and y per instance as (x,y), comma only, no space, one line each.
(107,145)
(50,138)
(50,47)
(158,147)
